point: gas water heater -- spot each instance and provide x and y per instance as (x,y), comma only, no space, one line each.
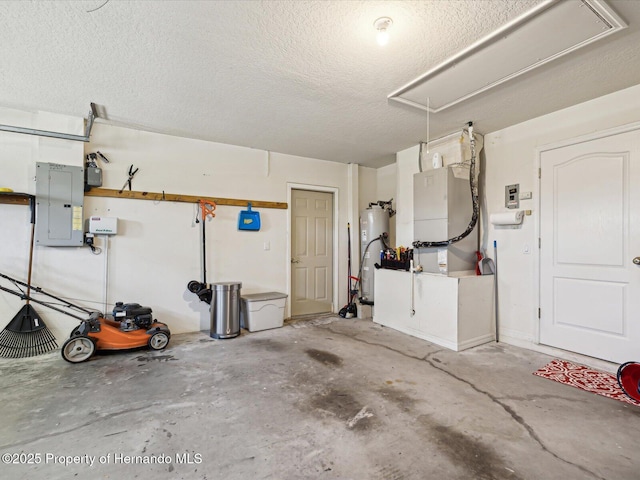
(374,223)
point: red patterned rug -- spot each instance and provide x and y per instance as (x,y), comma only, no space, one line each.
(584,378)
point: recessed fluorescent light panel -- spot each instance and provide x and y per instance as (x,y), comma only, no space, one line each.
(548,31)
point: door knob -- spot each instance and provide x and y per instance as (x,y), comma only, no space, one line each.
(636,261)
(293,260)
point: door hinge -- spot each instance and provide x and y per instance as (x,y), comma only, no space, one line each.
(540,172)
(538,312)
(539,242)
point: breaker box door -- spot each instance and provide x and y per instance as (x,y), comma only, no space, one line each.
(59,202)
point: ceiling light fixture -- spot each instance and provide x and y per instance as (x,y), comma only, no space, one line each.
(382,25)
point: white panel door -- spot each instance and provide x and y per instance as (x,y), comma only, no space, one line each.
(311,252)
(590,235)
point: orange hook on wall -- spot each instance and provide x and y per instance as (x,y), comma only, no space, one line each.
(207,208)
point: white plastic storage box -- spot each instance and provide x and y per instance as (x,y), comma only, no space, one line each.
(262,311)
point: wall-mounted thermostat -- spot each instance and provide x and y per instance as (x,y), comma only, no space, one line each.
(512,196)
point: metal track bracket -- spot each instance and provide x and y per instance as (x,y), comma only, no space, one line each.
(93,114)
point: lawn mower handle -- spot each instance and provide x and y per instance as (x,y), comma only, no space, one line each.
(27,297)
(41,291)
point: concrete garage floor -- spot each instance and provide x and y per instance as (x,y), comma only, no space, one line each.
(329,399)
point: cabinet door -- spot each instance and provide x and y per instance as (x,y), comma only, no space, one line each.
(436,301)
(393,300)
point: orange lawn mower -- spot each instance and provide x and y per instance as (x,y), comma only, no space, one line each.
(132,326)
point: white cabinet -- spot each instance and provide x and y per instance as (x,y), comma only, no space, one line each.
(455,311)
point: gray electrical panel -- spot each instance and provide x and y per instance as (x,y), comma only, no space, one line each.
(442,209)
(59,202)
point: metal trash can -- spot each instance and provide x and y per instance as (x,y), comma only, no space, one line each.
(225,309)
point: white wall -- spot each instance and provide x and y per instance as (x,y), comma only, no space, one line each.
(385,190)
(367,187)
(406,167)
(511,158)
(158,246)
(51,266)
(378,184)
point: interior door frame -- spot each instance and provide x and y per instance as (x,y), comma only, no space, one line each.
(334,280)
(537,188)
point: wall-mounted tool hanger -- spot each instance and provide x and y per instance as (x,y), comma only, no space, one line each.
(173,197)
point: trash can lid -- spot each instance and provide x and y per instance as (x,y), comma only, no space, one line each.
(260,297)
(227,285)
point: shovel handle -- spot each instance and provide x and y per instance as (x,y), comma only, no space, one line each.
(32,206)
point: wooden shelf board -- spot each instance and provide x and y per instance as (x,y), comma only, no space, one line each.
(14,198)
(173,197)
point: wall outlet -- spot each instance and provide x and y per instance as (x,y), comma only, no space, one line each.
(526,195)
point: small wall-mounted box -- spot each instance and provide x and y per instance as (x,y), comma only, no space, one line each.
(103,225)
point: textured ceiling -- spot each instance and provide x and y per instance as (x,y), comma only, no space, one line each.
(299,77)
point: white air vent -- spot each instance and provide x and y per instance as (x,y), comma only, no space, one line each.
(548,31)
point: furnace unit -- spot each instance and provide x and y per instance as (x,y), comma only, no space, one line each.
(442,209)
